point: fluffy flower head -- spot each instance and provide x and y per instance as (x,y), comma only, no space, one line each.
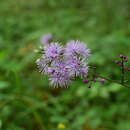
(76,48)
(59,75)
(53,51)
(43,65)
(77,66)
(63,64)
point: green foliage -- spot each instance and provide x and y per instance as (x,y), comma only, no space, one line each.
(26,100)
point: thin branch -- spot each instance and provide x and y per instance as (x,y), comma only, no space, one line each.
(114,81)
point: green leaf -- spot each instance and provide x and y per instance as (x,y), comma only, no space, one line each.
(114,87)
(4,84)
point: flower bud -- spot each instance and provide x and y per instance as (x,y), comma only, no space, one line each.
(121,56)
(102,81)
(85,81)
(124,57)
(117,62)
(126,60)
(128,69)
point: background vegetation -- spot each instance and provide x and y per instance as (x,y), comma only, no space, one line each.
(26,100)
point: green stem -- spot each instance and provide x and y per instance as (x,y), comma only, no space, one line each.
(122,72)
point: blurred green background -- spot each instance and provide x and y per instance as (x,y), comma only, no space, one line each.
(26,100)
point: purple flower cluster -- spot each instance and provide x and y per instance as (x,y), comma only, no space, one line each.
(62,64)
(122,61)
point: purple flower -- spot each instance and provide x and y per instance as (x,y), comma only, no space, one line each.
(50,70)
(42,64)
(77,66)
(46,38)
(76,48)
(123,57)
(53,51)
(59,75)
(62,64)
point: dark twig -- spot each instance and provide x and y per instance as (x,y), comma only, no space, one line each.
(114,81)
